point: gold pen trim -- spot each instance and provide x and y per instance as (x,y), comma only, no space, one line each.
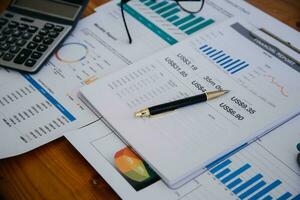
(215,94)
(142,113)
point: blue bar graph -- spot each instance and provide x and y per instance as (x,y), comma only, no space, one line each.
(235,173)
(296,197)
(252,189)
(219,52)
(247,183)
(285,196)
(223,173)
(234,183)
(210,52)
(220,166)
(220,56)
(266,190)
(231,63)
(267,198)
(226,62)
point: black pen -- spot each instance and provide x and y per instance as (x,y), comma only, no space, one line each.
(170,106)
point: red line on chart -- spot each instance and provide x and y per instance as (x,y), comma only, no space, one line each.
(279,86)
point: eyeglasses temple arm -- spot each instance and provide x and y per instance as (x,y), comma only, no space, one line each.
(124,21)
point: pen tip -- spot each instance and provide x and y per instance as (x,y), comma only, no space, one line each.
(226,91)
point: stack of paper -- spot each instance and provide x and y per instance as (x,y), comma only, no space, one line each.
(102,48)
(179,145)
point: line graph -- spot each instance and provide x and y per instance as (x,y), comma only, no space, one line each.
(278,85)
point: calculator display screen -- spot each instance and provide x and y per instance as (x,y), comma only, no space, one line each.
(64,9)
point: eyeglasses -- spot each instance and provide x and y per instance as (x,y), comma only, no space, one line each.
(189,6)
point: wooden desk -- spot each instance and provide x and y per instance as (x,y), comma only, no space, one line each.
(58,171)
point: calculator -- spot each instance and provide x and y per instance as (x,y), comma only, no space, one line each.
(31,30)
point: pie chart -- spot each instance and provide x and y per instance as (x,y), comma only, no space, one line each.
(72,52)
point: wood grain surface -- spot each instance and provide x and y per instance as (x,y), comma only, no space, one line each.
(57,171)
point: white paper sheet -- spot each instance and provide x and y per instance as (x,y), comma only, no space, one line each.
(36,109)
(268,160)
(263,95)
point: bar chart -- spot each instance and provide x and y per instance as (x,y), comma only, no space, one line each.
(223,60)
(170,14)
(251,186)
(169,10)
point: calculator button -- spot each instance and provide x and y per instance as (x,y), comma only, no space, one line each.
(32,29)
(7,31)
(27,20)
(14,49)
(2,37)
(53,34)
(42,47)
(13,24)
(36,55)
(43,31)
(26,36)
(4,47)
(16,33)
(22,56)
(37,38)
(21,42)
(30,63)
(48,26)
(58,28)
(8,57)
(32,45)
(3,21)
(23,26)
(9,15)
(11,40)
(48,41)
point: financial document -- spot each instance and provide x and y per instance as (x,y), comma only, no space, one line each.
(263,95)
(265,169)
(36,109)
(213,12)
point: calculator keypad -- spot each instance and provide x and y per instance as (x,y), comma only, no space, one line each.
(24,43)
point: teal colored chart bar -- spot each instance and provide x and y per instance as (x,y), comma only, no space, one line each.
(162,34)
(183,20)
(149,3)
(143,0)
(173,18)
(192,23)
(158,5)
(200,26)
(166,8)
(171,12)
